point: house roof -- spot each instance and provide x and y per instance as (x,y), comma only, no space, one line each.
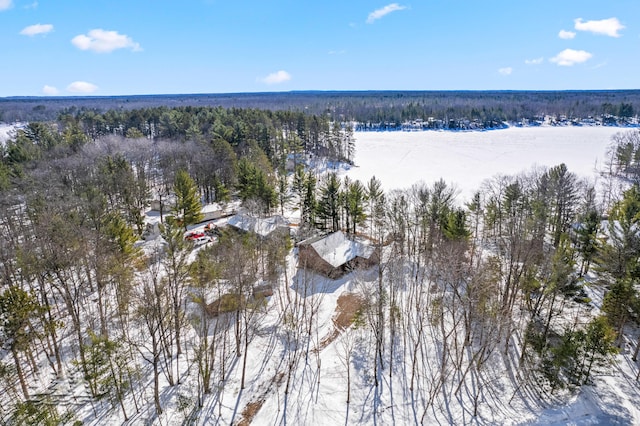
(337,249)
(262,227)
(210,208)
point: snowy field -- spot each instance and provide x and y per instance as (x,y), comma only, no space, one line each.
(466,159)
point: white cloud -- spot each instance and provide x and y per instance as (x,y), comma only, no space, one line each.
(5,4)
(536,61)
(569,57)
(337,52)
(82,87)
(566,35)
(379,13)
(276,77)
(102,41)
(36,29)
(50,90)
(505,71)
(608,27)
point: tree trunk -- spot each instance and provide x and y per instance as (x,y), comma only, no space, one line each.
(246,348)
(635,352)
(20,372)
(348,381)
(156,385)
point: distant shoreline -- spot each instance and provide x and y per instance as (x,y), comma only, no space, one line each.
(488,129)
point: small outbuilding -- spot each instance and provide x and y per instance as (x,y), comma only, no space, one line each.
(336,254)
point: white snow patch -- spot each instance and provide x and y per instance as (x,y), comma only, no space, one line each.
(7,131)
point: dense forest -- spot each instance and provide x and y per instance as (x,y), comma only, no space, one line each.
(387,109)
(460,293)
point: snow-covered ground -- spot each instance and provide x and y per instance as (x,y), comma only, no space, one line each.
(318,387)
(466,159)
(7,131)
(318,383)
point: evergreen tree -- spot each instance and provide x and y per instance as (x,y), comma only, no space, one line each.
(355,196)
(109,370)
(43,412)
(619,304)
(309,202)
(587,242)
(253,184)
(221,192)
(562,184)
(188,208)
(618,255)
(599,347)
(17,309)
(284,197)
(329,203)
(376,207)
(454,225)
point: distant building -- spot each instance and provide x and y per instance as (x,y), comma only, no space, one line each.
(259,226)
(336,254)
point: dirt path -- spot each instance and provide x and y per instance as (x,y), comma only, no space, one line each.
(346,309)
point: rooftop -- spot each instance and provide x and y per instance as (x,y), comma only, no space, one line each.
(337,249)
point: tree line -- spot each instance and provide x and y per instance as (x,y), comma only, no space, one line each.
(367,107)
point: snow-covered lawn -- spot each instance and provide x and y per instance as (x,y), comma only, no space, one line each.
(466,159)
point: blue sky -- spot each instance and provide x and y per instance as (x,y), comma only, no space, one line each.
(127,47)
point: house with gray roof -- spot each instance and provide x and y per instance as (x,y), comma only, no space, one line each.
(336,254)
(263,227)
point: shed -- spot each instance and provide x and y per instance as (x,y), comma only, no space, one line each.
(336,254)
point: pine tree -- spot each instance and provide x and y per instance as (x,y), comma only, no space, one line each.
(599,346)
(563,199)
(329,204)
(618,256)
(454,226)
(109,370)
(376,207)
(17,309)
(618,305)
(188,207)
(587,242)
(253,184)
(284,197)
(309,202)
(355,197)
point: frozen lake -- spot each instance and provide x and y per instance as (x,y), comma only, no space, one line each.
(466,159)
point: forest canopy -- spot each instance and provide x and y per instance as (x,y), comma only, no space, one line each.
(393,107)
